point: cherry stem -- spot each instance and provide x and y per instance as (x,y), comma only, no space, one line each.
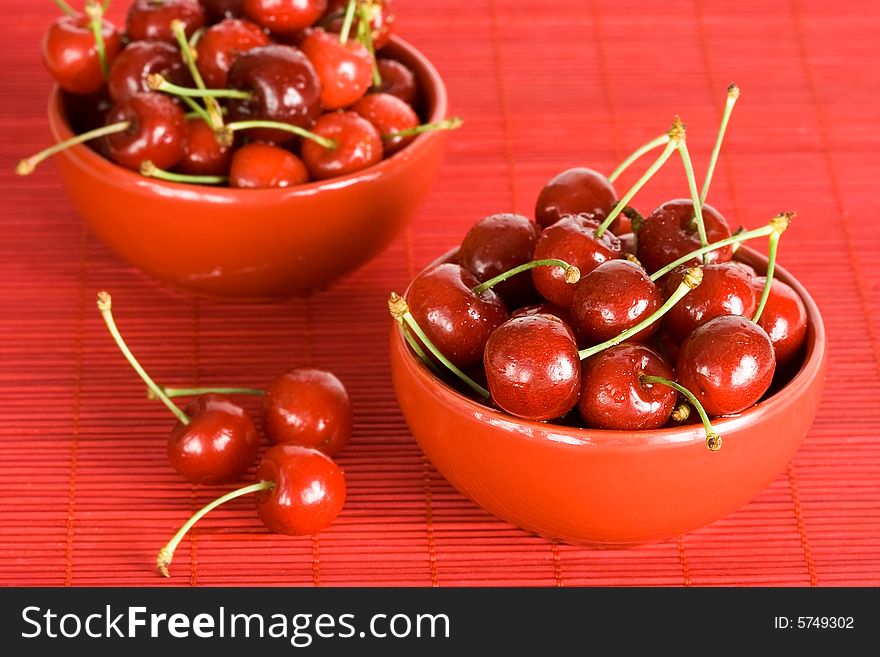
(675,134)
(452,123)
(150,170)
(27,166)
(66,8)
(779,224)
(732,96)
(662,140)
(105,306)
(692,279)
(695,196)
(399,310)
(196,37)
(366,37)
(166,554)
(277,125)
(572,274)
(416,347)
(157,82)
(186,51)
(713,440)
(95,12)
(195,392)
(347,21)
(198,111)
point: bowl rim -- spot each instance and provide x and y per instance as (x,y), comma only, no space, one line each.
(429,78)
(685,435)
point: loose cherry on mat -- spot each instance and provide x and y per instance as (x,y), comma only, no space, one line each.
(220,44)
(344,68)
(532,367)
(389,115)
(263,166)
(284,16)
(203,153)
(397,80)
(150,20)
(298,491)
(215,441)
(139,60)
(357,146)
(574,191)
(784,319)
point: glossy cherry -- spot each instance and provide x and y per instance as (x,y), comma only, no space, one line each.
(150,20)
(203,153)
(156,131)
(345,69)
(455,319)
(284,16)
(727,363)
(71,55)
(668,233)
(217,10)
(308,406)
(358,145)
(613,395)
(284,87)
(545,308)
(219,46)
(572,239)
(262,166)
(784,319)
(612,298)
(496,244)
(397,80)
(381,16)
(532,367)
(128,74)
(388,114)
(572,192)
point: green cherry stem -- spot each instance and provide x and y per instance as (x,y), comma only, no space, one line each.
(779,224)
(452,123)
(196,37)
(197,111)
(713,440)
(662,140)
(66,8)
(105,305)
(399,310)
(732,96)
(157,82)
(166,554)
(150,170)
(695,195)
(691,280)
(195,392)
(186,52)
(226,132)
(347,21)
(95,12)
(27,166)
(366,37)
(572,274)
(416,347)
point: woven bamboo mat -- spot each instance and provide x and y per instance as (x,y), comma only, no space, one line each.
(87,496)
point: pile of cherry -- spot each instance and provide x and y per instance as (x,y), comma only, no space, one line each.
(597,316)
(306,415)
(278,93)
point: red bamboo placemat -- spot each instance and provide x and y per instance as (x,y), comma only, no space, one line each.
(87,496)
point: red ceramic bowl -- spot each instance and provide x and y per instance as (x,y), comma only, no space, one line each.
(256,243)
(609,488)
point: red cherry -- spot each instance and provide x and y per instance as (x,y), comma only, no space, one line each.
(572,192)
(86,112)
(218,445)
(727,363)
(388,114)
(128,75)
(784,318)
(217,10)
(457,321)
(496,244)
(221,44)
(156,132)
(532,367)
(545,308)
(669,233)
(284,85)
(358,145)
(397,80)
(573,240)
(260,166)
(150,20)
(613,396)
(310,407)
(345,69)
(284,16)
(309,490)
(203,153)
(381,15)
(71,55)
(612,298)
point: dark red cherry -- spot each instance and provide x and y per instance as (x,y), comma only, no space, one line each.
(150,20)
(128,75)
(612,298)
(217,10)
(532,367)
(457,321)
(727,363)
(261,166)
(573,240)
(627,243)
(784,318)
(726,290)
(309,490)
(388,114)
(156,132)
(397,80)
(545,308)
(71,56)
(613,395)
(310,407)
(496,244)
(218,445)
(358,145)
(381,17)
(284,85)
(203,153)
(669,233)
(284,16)
(221,44)
(572,192)
(345,69)
(86,112)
